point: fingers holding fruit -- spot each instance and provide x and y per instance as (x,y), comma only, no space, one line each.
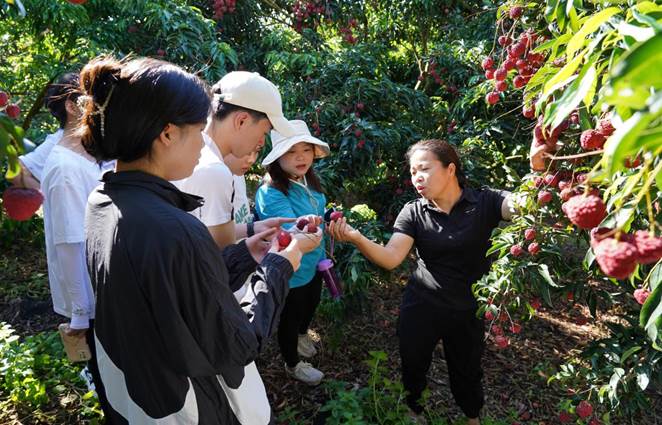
(342,231)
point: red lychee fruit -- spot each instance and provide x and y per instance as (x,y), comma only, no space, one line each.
(544,197)
(605,127)
(585,212)
(534,248)
(516,250)
(649,247)
(641,295)
(616,258)
(592,139)
(584,409)
(21,204)
(530,234)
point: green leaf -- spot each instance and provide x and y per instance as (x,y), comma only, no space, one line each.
(543,270)
(639,67)
(648,20)
(655,276)
(590,25)
(564,74)
(624,142)
(572,96)
(629,352)
(650,312)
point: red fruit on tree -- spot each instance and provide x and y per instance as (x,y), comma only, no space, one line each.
(500,74)
(649,247)
(605,127)
(616,258)
(586,212)
(360,106)
(544,197)
(516,250)
(574,118)
(508,64)
(358,132)
(534,248)
(489,74)
(77,1)
(592,139)
(564,184)
(584,409)
(488,63)
(501,341)
(504,41)
(489,315)
(521,64)
(517,50)
(4,98)
(537,181)
(530,234)
(565,417)
(492,97)
(594,421)
(528,111)
(501,86)
(519,82)
(284,239)
(641,295)
(629,163)
(160,52)
(515,328)
(13,111)
(551,180)
(535,303)
(20,204)
(515,12)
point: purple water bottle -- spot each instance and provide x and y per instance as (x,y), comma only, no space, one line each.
(331,280)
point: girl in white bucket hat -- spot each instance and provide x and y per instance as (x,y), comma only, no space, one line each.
(291,189)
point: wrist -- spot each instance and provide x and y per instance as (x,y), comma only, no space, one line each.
(250,229)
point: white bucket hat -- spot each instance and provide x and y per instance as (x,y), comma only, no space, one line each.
(253,91)
(281,144)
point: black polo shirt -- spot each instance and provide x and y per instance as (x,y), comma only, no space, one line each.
(451,248)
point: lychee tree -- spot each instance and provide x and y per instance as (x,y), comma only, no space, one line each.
(589,217)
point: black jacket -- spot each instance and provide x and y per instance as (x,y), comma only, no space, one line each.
(167,322)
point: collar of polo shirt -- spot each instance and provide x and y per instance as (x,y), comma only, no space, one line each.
(467,193)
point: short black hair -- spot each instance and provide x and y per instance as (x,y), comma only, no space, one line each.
(57,94)
(141,96)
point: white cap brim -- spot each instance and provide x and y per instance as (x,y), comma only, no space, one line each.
(282,125)
(321,148)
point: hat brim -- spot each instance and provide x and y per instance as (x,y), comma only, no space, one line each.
(321,148)
(282,125)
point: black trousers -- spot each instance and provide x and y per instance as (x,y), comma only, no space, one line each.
(421,326)
(295,319)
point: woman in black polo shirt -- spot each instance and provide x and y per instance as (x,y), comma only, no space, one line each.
(450,226)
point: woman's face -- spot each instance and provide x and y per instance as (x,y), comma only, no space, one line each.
(183,153)
(297,161)
(429,175)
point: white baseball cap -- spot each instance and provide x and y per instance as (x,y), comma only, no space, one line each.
(252,91)
(281,144)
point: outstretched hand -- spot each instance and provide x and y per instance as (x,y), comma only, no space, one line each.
(343,232)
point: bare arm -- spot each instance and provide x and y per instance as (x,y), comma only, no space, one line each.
(223,234)
(389,256)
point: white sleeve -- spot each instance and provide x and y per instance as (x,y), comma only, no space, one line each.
(215,185)
(34,161)
(71,259)
(67,211)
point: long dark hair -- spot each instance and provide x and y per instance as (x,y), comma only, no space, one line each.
(57,94)
(129,103)
(279,179)
(445,153)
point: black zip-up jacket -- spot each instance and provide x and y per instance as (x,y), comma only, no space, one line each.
(170,336)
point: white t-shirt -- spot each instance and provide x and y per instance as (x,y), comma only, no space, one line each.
(242,208)
(34,161)
(212,180)
(68,179)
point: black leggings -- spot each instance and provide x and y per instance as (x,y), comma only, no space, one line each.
(421,326)
(297,314)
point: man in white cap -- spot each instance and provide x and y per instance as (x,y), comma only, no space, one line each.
(246,106)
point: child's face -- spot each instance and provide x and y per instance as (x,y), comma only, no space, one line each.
(297,161)
(239,166)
